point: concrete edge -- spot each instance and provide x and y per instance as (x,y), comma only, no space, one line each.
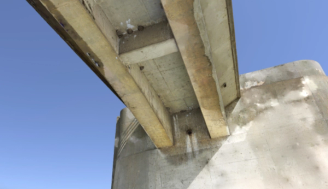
(281,72)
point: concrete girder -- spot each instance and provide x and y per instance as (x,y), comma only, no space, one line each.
(150,52)
(180,14)
(147,43)
(145,36)
(216,26)
(135,91)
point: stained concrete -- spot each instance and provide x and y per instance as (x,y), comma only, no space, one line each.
(279,139)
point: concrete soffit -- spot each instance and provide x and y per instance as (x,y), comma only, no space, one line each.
(164,65)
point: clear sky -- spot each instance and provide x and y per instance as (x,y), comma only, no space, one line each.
(57,119)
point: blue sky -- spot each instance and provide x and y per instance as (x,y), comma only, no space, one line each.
(57,119)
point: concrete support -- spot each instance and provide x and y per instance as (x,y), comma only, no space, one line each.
(137,95)
(216,26)
(147,36)
(150,52)
(181,18)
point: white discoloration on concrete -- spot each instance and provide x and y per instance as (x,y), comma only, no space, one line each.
(116,143)
(269,103)
(307,81)
(188,145)
(250,84)
(195,143)
(129,25)
(176,126)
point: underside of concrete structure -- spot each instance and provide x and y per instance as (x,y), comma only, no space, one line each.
(160,57)
(279,139)
(191,121)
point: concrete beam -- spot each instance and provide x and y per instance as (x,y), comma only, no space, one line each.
(216,26)
(90,41)
(145,36)
(181,18)
(150,52)
(105,26)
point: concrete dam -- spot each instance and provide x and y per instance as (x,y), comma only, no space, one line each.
(191,121)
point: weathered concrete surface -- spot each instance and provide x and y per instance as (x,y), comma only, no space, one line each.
(279,139)
(216,26)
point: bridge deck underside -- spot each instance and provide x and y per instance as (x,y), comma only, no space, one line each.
(135,47)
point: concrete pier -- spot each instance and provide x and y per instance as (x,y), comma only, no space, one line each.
(279,139)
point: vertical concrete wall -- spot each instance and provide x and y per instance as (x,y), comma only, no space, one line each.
(279,139)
